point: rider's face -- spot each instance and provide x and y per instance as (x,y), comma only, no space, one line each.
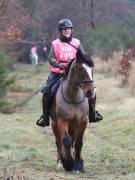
(66,32)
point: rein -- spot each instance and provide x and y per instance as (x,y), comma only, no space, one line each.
(68,101)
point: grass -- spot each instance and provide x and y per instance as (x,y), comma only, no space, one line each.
(29,152)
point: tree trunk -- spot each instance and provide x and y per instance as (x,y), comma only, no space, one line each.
(92,22)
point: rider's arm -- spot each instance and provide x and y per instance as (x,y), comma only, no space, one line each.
(52,58)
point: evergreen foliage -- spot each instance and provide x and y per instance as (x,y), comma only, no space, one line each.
(108,39)
(4,81)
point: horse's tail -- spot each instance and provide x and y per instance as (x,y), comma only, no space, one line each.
(66,158)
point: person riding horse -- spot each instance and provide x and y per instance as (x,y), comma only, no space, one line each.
(34,56)
(63,51)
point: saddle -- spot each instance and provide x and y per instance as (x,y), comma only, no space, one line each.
(51,88)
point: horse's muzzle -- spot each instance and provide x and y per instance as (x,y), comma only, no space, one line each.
(89,94)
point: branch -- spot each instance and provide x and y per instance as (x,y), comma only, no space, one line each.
(30,42)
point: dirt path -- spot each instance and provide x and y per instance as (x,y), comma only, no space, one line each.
(29,152)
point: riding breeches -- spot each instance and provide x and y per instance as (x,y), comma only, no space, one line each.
(52,79)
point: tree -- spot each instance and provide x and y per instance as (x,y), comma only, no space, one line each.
(92,14)
(4,81)
(33,20)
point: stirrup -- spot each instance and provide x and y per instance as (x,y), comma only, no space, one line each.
(43,121)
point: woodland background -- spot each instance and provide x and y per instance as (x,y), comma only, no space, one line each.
(104,27)
(37,20)
(107,31)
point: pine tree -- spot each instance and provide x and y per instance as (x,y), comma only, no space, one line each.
(4,82)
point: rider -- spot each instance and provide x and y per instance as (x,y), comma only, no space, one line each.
(63,51)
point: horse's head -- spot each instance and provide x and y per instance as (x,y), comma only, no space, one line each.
(81,73)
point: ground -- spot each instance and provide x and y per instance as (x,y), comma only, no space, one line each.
(28,152)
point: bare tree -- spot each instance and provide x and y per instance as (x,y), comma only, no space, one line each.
(33,20)
(92,3)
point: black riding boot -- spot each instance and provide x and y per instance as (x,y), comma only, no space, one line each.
(44,119)
(94,115)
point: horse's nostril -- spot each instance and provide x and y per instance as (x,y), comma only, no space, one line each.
(89,94)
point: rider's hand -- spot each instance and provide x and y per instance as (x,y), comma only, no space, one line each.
(62,66)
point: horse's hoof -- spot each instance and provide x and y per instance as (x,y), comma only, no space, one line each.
(78,167)
(59,166)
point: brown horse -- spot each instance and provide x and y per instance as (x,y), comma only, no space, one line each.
(69,113)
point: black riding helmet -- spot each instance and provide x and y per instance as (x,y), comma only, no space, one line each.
(65,23)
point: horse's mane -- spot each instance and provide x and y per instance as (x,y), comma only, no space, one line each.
(68,68)
(87,60)
(83,59)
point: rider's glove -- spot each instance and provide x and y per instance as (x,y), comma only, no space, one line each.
(62,66)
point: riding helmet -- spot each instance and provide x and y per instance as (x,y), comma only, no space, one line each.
(65,23)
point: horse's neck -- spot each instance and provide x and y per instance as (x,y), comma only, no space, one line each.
(72,90)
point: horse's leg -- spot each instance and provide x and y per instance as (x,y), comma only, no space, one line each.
(57,139)
(63,143)
(78,166)
(33,61)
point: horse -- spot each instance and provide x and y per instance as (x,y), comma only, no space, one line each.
(69,113)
